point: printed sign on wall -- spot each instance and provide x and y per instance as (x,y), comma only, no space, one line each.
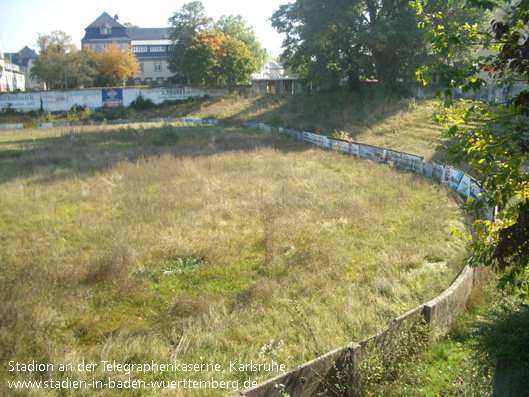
(21,102)
(112,98)
(453,177)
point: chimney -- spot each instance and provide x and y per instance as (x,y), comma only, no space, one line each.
(116,17)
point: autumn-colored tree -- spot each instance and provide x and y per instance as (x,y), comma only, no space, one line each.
(115,65)
(216,59)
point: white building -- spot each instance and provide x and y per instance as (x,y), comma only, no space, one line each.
(12,77)
(271,70)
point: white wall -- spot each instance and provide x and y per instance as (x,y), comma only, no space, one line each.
(55,101)
(161,94)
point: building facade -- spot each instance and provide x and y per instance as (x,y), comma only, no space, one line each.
(24,59)
(151,46)
(272,80)
(12,76)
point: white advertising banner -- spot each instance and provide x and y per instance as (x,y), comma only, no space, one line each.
(85,98)
(55,101)
(21,102)
(160,94)
(461,182)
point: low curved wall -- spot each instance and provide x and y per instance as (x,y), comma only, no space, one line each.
(439,314)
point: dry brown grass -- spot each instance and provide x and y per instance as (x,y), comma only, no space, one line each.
(170,242)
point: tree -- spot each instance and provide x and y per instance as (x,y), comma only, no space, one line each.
(115,65)
(492,137)
(201,59)
(185,25)
(336,40)
(51,65)
(216,59)
(235,26)
(81,70)
(237,63)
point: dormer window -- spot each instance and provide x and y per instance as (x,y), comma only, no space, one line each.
(105,30)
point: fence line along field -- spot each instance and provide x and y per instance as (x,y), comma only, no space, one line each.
(156,243)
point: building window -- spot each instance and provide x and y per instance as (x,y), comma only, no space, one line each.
(148,81)
(157,66)
(139,48)
(141,67)
(105,30)
(137,82)
(160,81)
(157,49)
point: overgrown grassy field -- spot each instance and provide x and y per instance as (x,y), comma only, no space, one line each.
(205,245)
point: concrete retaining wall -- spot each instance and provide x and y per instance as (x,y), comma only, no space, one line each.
(441,312)
(456,179)
(322,374)
(490,93)
(439,315)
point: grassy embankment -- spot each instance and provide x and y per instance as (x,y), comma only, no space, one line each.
(209,244)
(371,117)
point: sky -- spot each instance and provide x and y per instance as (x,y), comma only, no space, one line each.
(22,20)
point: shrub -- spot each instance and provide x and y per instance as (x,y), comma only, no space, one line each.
(140,103)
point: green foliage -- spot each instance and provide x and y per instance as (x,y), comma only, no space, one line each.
(503,341)
(185,24)
(201,60)
(235,26)
(166,135)
(140,103)
(9,110)
(276,121)
(237,62)
(383,366)
(224,53)
(182,265)
(174,267)
(216,59)
(60,65)
(492,137)
(341,135)
(330,42)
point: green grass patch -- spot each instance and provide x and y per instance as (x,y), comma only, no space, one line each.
(487,345)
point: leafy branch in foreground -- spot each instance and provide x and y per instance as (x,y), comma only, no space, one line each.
(491,136)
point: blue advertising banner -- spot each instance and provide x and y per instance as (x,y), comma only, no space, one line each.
(112,98)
